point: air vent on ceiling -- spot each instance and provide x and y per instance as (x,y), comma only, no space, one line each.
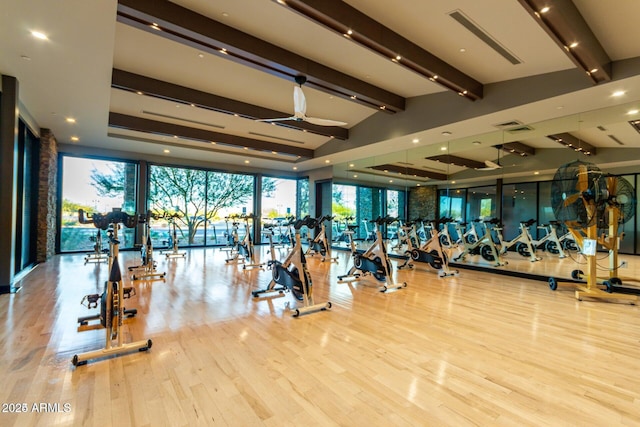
(466,22)
(167,116)
(602,128)
(613,137)
(405,163)
(524,128)
(509,124)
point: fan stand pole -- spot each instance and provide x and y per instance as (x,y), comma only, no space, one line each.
(591,289)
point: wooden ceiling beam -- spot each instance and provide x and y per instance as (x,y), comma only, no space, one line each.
(192,29)
(457,161)
(139,124)
(563,22)
(344,19)
(406,172)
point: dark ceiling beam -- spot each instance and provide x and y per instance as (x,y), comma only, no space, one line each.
(355,25)
(148,86)
(562,20)
(124,121)
(517,147)
(409,172)
(457,161)
(192,29)
(574,143)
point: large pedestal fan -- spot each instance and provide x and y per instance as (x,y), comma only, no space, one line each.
(586,200)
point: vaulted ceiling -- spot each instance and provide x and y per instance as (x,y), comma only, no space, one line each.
(419,83)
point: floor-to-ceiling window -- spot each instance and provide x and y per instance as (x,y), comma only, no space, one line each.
(278,204)
(201,204)
(94,185)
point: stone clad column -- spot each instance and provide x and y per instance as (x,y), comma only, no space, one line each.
(47,196)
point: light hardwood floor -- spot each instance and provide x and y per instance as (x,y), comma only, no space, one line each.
(476,349)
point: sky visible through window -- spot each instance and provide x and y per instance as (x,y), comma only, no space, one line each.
(76,183)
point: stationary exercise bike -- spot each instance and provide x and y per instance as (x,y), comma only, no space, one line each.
(374,261)
(446,239)
(99,254)
(483,246)
(346,235)
(320,244)
(550,242)
(242,252)
(112,311)
(431,252)
(147,269)
(292,274)
(172,242)
(522,243)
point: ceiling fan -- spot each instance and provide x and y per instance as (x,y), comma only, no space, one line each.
(490,165)
(300,109)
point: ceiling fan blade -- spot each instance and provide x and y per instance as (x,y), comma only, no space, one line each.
(281,119)
(323,122)
(491,165)
(299,102)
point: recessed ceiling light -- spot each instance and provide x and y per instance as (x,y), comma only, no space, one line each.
(247,161)
(351,165)
(213,143)
(453,182)
(70,120)
(355,176)
(327,161)
(536,173)
(166,151)
(443,148)
(573,45)
(246,148)
(225,14)
(632,112)
(398,57)
(593,70)
(462,50)
(75,138)
(417,185)
(477,143)
(383,107)
(39,35)
(201,55)
(618,93)
(352,97)
(139,93)
(415,140)
(223,50)
(295,168)
(155,26)
(349,31)
(390,180)
(274,152)
(544,9)
(446,133)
